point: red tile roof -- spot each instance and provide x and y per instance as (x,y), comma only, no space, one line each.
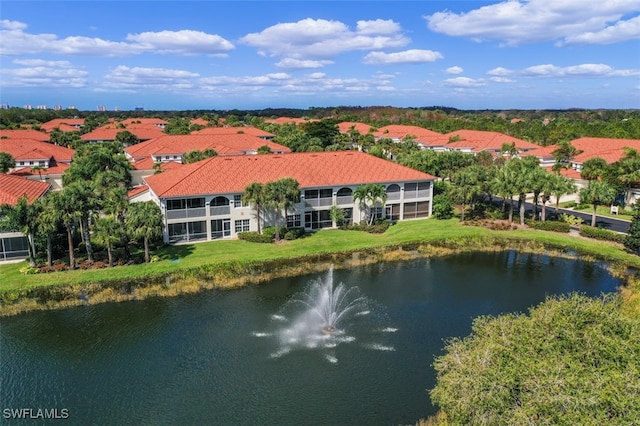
(53,169)
(609,149)
(109,132)
(64,124)
(362,128)
(289,120)
(24,134)
(142,122)
(137,190)
(233,174)
(232,144)
(147,163)
(224,131)
(480,140)
(30,149)
(14,187)
(400,131)
(200,122)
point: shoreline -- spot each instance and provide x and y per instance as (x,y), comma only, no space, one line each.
(234,274)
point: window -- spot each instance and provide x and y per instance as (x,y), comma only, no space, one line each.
(176,204)
(393,212)
(293,221)
(242,225)
(195,203)
(318,219)
(220,228)
(393,192)
(238,202)
(416,210)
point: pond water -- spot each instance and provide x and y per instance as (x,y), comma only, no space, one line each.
(251,356)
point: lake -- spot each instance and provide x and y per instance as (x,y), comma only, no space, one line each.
(224,357)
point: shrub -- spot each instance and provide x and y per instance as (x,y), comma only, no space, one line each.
(570,219)
(550,225)
(442,207)
(602,234)
(28,270)
(377,228)
(270,231)
(294,233)
(254,237)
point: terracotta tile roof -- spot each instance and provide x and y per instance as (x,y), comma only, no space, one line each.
(232,144)
(24,134)
(400,131)
(224,131)
(141,122)
(109,132)
(362,128)
(480,140)
(64,124)
(137,190)
(53,169)
(569,173)
(147,163)
(200,122)
(30,149)
(233,174)
(609,149)
(14,187)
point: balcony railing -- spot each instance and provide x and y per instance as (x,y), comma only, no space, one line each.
(423,193)
(318,202)
(188,237)
(347,199)
(219,210)
(393,195)
(186,213)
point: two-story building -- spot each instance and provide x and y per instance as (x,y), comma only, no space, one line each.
(203,201)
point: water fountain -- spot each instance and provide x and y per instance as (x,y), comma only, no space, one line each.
(324,316)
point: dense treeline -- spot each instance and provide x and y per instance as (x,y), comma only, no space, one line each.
(544,127)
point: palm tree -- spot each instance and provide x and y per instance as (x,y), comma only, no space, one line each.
(254,194)
(564,154)
(369,196)
(64,203)
(560,185)
(593,168)
(22,217)
(503,185)
(48,220)
(597,193)
(281,195)
(38,169)
(144,221)
(108,232)
(465,186)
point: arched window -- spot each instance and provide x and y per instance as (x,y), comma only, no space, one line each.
(393,192)
(219,201)
(344,196)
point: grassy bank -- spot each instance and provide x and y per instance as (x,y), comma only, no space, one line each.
(188,268)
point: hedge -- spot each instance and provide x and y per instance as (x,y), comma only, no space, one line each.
(550,225)
(602,234)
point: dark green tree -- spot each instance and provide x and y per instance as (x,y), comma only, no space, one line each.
(145,222)
(632,240)
(126,138)
(572,360)
(598,193)
(7,162)
(281,195)
(254,194)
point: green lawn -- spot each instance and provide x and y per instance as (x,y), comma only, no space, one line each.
(175,258)
(606,211)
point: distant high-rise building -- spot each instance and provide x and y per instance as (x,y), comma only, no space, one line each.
(43,107)
(57,107)
(139,109)
(116,108)
(72,107)
(28,106)
(102,108)
(4,106)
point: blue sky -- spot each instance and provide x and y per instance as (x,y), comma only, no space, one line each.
(535,54)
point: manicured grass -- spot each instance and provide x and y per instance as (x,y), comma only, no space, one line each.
(176,258)
(606,211)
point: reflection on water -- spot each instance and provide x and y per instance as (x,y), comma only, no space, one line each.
(206,358)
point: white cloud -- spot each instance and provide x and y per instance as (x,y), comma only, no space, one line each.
(14,40)
(291,63)
(379,26)
(139,77)
(619,32)
(501,80)
(519,21)
(499,71)
(454,70)
(464,82)
(320,38)
(184,42)
(317,75)
(41,73)
(413,56)
(584,70)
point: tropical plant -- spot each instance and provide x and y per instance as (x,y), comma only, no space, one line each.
(337,215)
(145,221)
(465,186)
(23,218)
(7,162)
(264,149)
(254,195)
(573,360)
(126,138)
(108,232)
(632,241)
(593,168)
(369,196)
(48,220)
(597,193)
(281,195)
